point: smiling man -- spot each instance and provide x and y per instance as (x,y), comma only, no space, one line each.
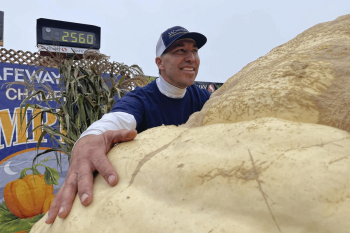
(169,100)
(180,63)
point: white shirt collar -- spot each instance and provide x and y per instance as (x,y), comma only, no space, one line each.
(169,90)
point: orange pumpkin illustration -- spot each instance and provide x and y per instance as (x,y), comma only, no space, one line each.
(32,194)
(25,197)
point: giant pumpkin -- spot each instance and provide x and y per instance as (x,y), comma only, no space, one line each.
(269,152)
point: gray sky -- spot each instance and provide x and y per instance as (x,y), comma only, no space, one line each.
(238,31)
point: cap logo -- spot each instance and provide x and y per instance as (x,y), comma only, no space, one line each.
(177,31)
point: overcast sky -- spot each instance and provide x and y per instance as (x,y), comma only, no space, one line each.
(238,31)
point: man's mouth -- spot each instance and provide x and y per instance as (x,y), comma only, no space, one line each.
(187,69)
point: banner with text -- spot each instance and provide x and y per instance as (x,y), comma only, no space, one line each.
(18,145)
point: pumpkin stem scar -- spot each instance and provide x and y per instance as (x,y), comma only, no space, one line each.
(262,192)
(148,157)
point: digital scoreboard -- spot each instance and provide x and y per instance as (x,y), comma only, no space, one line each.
(76,38)
(66,37)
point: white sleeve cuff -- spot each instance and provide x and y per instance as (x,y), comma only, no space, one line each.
(110,121)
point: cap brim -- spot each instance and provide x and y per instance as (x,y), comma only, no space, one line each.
(197,37)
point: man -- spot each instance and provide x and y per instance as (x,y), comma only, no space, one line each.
(169,100)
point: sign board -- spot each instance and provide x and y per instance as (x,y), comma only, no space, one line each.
(66,36)
(16,152)
(1,28)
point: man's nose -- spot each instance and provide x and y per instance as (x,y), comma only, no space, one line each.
(190,56)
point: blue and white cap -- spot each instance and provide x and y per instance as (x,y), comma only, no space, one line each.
(173,34)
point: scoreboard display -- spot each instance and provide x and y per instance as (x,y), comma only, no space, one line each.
(61,33)
(70,36)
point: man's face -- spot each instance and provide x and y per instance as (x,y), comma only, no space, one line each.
(179,65)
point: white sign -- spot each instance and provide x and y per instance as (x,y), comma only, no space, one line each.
(62,49)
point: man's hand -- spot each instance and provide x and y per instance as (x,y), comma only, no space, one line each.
(88,155)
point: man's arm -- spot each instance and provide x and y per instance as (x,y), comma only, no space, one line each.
(89,155)
(111,121)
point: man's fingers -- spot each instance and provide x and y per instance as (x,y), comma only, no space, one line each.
(85,182)
(105,168)
(63,201)
(53,211)
(119,136)
(103,165)
(68,196)
(130,135)
(92,156)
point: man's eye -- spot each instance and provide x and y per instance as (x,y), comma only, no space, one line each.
(195,51)
(180,51)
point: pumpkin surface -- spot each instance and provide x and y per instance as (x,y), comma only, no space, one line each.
(253,176)
(303,80)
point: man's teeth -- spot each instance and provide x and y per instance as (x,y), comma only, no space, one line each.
(188,69)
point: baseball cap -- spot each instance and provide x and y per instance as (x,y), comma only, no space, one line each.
(173,34)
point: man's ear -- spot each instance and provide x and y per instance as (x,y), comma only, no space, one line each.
(159,62)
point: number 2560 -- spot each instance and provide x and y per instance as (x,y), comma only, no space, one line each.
(81,37)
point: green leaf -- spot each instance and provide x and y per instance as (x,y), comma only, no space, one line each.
(51,176)
(11,223)
(5,214)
